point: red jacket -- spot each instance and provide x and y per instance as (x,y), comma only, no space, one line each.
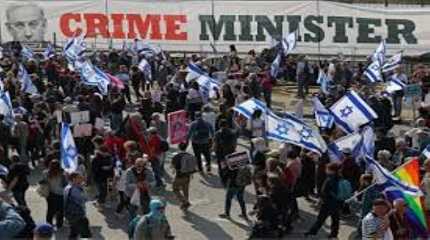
(154,146)
(115,145)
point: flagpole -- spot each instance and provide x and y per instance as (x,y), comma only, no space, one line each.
(319,40)
(373,184)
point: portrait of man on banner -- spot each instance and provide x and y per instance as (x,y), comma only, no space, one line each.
(26,22)
(177,125)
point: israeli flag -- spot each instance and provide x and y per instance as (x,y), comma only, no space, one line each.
(74,49)
(373,72)
(387,181)
(369,138)
(323,116)
(27,85)
(426,152)
(6,108)
(93,76)
(325,82)
(194,72)
(145,49)
(208,86)
(69,152)
(49,51)
(394,84)
(4,171)
(274,68)
(379,54)
(248,107)
(27,53)
(352,141)
(392,63)
(281,130)
(289,42)
(309,138)
(145,67)
(351,111)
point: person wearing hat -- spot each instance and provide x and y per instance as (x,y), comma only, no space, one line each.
(43,232)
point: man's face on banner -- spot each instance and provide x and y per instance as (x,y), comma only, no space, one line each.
(26,23)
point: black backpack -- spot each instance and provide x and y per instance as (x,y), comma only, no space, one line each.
(164,145)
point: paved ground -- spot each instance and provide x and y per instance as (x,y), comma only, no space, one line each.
(207,198)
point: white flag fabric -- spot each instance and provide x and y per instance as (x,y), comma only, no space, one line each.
(74,49)
(68,150)
(289,43)
(49,51)
(394,84)
(324,81)
(309,137)
(248,107)
(27,85)
(6,108)
(208,86)
(281,130)
(379,54)
(93,76)
(145,67)
(274,68)
(392,63)
(351,111)
(426,152)
(323,117)
(387,181)
(373,72)
(194,72)
(352,141)
(26,52)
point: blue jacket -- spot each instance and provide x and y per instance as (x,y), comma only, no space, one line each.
(10,221)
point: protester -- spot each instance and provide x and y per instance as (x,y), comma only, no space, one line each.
(153,225)
(201,134)
(185,165)
(376,224)
(75,209)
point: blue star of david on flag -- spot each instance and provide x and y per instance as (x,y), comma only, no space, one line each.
(282,128)
(306,133)
(346,111)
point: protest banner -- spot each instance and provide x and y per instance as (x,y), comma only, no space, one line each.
(177,127)
(352,29)
(237,160)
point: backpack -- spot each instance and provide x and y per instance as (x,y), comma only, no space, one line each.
(202,131)
(243,177)
(164,145)
(188,163)
(344,190)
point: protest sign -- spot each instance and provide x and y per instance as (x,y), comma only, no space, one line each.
(237,160)
(79,117)
(177,126)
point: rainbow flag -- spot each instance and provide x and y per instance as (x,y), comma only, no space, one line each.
(410,174)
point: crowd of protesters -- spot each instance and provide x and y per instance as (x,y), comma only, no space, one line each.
(129,153)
